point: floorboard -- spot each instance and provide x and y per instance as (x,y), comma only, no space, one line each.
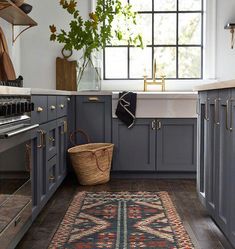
(201,228)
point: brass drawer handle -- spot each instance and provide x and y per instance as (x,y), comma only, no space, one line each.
(154,125)
(93,99)
(159,125)
(51,178)
(17,221)
(41,139)
(62,106)
(39,109)
(207,109)
(68,99)
(53,107)
(51,139)
(217,117)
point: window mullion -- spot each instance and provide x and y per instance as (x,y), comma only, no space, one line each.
(177,39)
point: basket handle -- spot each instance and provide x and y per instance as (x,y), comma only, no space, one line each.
(72,136)
(97,161)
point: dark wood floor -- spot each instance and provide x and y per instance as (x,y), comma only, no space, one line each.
(202,230)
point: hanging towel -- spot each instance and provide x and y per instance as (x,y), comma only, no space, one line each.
(126,108)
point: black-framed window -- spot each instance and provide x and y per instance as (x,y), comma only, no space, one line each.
(173,32)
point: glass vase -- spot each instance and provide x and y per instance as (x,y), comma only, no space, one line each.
(89,74)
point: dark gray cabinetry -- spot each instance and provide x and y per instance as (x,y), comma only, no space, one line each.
(157,145)
(93,115)
(51,147)
(176,146)
(216,157)
(134,148)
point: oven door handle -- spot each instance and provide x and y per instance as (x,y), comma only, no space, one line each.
(17,132)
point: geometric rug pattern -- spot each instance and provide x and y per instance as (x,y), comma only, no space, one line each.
(121,220)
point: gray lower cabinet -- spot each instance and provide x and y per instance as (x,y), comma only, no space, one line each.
(216,156)
(157,145)
(176,145)
(134,148)
(94,116)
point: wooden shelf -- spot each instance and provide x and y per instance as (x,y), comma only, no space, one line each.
(14,15)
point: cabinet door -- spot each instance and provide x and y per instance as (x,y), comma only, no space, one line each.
(176,145)
(94,116)
(51,138)
(62,148)
(224,163)
(201,127)
(134,148)
(211,149)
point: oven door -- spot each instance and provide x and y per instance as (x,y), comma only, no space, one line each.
(15,185)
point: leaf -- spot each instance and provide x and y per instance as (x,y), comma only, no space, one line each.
(52,28)
(53,37)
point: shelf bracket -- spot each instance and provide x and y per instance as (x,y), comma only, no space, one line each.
(14,38)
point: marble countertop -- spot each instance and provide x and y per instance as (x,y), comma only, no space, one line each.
(216,85)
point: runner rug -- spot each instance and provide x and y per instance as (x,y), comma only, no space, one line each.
(121,220)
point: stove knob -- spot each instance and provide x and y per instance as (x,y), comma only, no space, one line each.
(13,108)
(9,109)
(27,106)
(22,107)
(31,107)
(18,106)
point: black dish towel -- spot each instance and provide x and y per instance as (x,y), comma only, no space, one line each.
(126,108)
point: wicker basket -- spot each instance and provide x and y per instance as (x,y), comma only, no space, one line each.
(91,161)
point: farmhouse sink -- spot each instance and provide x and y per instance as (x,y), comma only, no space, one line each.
(162,104)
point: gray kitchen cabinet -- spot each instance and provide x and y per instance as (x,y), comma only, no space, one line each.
(153,145)
(216,138)
(50,155)
(134,148)
(175,145)
(93,115)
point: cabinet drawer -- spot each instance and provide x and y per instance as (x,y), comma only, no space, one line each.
(52,173)
(10,233)
(51,107)
(62,106)
(39,115)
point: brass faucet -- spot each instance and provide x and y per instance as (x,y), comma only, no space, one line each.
(154,82)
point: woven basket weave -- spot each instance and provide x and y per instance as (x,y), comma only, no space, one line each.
(92,161)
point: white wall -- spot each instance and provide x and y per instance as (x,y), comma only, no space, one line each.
(38,54)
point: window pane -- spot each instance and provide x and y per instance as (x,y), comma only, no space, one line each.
(190,5)
(165,5)
(189,62)
(141,5)
(116,63)
(190,28)
(114,41)
(166,61)
(140,62)
(165,29)
(145,27)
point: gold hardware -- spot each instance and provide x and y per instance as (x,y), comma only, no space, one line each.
(159,125)
(17,221)
(65,127)
(154,125)
(217,122)
(39,109)
(53,107)
(62,106)
(51,178)
(154,82)
(93,99)
(41,139)
(51,139)
(227,113)
(207,109)
(68,99)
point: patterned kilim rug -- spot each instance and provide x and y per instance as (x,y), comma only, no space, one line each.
(121,220)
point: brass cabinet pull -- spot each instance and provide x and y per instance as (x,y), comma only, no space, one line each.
(207,109)
(217,117)
(51,139)
(53,107)
(65,127)
(154,125)
(41,139)
(51,178)
(68,99)
(62,106)
(159,125)
(229,115)
(93,99)
(39,109)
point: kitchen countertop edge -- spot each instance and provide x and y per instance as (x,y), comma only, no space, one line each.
(216,85)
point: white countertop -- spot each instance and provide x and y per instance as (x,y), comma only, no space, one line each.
(216,85)
(6,90)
